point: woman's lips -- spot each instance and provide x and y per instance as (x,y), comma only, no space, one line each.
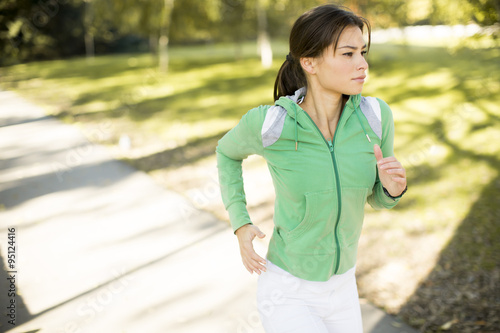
(360,79)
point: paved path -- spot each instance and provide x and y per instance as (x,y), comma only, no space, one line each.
(102,248)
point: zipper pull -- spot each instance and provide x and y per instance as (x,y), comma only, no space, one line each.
(330,145)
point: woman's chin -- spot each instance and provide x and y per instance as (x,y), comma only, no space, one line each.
(353,91)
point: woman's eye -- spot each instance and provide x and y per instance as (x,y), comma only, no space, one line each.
(350,54)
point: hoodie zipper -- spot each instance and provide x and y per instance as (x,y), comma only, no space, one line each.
(330,145)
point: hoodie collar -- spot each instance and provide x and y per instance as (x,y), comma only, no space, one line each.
(291,104)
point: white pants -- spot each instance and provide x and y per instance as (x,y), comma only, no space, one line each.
(289,304)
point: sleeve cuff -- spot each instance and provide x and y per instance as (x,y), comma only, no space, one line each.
(238,215)
(397,197)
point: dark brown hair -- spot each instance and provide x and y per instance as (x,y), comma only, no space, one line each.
(311,34)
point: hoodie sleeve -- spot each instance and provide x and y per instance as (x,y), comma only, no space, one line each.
(378,199)
(236,145)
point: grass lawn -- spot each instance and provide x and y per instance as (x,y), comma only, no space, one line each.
(434,259)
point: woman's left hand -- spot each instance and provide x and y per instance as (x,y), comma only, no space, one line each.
(391,172)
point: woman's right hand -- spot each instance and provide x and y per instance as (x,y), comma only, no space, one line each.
(251,260)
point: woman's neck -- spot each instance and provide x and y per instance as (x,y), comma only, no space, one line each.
(324,108)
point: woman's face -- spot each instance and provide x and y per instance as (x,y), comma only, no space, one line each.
(343,70)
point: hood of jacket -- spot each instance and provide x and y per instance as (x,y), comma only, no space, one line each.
(291,105)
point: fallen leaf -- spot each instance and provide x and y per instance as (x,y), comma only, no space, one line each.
(448,325)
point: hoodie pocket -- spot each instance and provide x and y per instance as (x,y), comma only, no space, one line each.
(351,220)
(315,232)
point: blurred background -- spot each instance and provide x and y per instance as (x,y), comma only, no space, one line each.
(170,77)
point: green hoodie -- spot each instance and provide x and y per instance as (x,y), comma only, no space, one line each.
(321,187)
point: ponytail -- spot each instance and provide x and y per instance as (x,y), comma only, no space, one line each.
(290,78)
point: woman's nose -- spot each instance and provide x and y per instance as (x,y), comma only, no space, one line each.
(363,64)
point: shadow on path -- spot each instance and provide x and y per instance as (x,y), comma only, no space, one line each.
(179,156)
(22,314)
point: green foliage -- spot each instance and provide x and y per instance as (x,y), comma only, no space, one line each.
(486,12)
(382,13)
(387,13)
(48,29)
(39,30)
(194,20)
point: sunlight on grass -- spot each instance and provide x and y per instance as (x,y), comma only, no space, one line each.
(435,94)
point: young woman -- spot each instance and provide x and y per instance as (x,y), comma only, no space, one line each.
(329,151)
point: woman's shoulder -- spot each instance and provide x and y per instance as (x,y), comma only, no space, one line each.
(383,105)
(378,106)
(259,111)
(385,111)
(257,115)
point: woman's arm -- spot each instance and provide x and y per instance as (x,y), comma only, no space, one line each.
(240,142)
(391,175)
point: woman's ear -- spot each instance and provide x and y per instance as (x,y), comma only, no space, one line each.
(309,65)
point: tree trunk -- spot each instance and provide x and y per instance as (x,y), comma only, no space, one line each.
(163,53)
(238,49)
(153,44)
(163,60)
(89,45)
(89,35)
(263,40)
